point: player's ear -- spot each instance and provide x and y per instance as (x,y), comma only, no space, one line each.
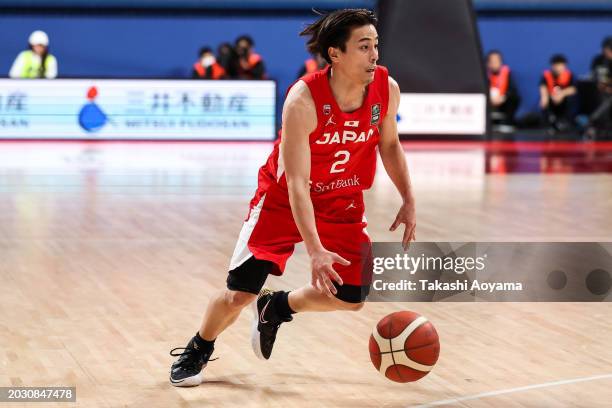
(334,53)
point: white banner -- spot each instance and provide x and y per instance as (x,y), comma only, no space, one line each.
(455,114)
(137,109)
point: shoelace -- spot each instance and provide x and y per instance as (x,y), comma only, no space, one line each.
(189,354)
(186,351)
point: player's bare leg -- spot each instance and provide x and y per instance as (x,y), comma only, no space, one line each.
(222,311)
(310,299)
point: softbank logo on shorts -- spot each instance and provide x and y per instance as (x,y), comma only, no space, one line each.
(321,187)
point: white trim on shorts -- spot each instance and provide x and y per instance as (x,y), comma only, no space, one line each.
(242,252)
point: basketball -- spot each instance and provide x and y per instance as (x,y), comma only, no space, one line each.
(404,346)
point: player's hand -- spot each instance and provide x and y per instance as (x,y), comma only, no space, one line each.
(406,215)
(323,272)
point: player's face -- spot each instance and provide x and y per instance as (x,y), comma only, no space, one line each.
(359,60)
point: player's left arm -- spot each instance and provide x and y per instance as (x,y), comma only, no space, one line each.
(393,159)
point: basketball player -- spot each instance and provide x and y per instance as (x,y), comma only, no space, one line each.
(310,190)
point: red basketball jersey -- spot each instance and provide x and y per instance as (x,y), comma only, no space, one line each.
(343,145)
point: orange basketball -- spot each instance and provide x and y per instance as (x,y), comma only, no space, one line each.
(404,346)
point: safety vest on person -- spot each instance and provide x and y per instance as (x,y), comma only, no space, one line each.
(218,71)
(500,80)
(253,60)
(562,80)
(311,65)
(31,65)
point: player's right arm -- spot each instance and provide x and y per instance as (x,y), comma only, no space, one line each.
(299,120)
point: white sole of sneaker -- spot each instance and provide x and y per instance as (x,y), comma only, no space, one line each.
(189,381)
(255,339)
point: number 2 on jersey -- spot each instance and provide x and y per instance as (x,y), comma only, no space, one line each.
(345,154)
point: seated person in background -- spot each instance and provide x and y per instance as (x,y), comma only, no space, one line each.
(207,66)
(36,62)
(504,96)
(250,64)
(228,59)
(313,64)
(601,68)
(556,86)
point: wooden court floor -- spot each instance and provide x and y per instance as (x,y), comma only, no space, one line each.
(110,252)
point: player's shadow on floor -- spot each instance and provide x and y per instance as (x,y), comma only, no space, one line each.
(267,387)
(260,380)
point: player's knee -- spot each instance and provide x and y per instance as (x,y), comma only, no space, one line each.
(237,299)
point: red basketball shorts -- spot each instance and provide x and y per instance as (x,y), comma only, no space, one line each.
(269,233)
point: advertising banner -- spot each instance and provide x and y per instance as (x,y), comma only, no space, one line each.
(137,109)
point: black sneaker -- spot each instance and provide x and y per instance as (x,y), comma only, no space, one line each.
(186,371)
(265,324)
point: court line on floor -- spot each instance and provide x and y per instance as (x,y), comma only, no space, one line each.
(512,390)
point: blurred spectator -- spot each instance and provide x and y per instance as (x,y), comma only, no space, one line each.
(207,66)
(601,69)
(228,59)
(601,66)
(250,64)
(36,62)
(556,87)
(313,64)
(504,96)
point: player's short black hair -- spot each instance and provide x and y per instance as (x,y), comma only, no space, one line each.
(334,29)
(246,38)
(607,42)
(558,59)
